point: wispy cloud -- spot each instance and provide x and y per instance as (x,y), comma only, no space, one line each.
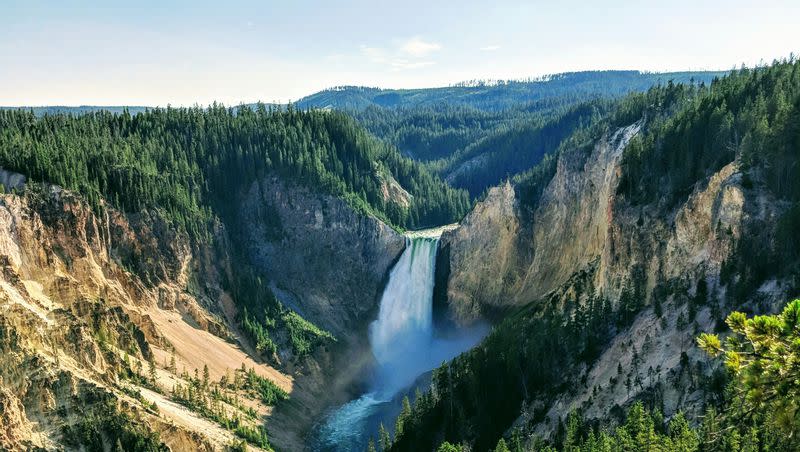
(490,48)
(412,53)
(417,47)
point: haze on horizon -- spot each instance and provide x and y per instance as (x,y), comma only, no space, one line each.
(186,53)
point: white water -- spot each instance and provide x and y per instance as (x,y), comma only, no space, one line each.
(404,345)
(401,336)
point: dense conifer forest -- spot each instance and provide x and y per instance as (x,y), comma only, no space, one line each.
(190,164)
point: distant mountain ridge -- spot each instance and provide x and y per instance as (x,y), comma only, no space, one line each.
(499,96)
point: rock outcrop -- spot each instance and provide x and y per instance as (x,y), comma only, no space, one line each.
(503,256)
(11,181)
(325,260)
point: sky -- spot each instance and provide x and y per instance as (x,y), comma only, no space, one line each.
(183,53)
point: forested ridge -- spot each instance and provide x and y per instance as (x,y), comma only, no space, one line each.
(475,135)
(498,95)
(752,117)
(473,149)
(192,163)
(515,148)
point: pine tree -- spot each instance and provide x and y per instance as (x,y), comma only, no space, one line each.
(402,418)
(384,440)
(501,446)
(763,355)
(152,371)
(571,439)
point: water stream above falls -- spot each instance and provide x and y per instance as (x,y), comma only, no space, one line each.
(405,344)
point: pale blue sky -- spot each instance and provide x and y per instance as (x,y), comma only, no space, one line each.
(184,52)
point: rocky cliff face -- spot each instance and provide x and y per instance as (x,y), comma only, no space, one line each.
(484,256)
(325,261)
(505,255)
(502,255)
(88,301)
(83,299)
(329,264)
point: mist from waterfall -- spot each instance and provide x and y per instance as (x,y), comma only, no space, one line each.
(404,345)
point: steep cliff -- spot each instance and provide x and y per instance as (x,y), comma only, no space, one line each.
(88,302)
(325,260)
(329,264)
(582,241)
(523,254)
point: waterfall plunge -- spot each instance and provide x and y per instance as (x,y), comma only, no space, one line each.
(401,335)
(404,345)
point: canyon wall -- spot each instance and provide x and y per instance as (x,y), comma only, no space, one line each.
(508,253)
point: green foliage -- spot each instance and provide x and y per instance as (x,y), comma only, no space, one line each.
(56,110)
(384,440)
(588,122)
(763,354)
(515,147)
(253,435)
(192,163)
(402,418)
(501,446)
(447,447)
(303,335)
(238,446)
(268,391)
(258,333)
(761,412)
(478,134)
(262,314)
(750,114)
(209,399)
(476,397)
(432,132)
(105,426)
(643,430)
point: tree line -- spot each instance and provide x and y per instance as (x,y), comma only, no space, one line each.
(192,163)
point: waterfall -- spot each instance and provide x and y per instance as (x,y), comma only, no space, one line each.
(404,345)
(401,335)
